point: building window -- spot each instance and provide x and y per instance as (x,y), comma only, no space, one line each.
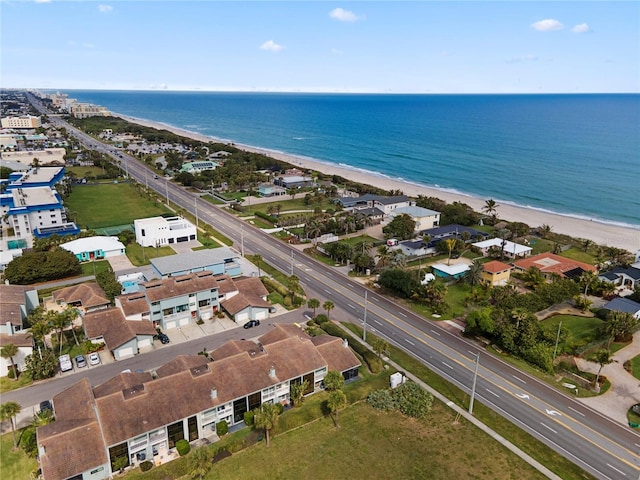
(176,432)
(167,311)
(119,451)
(204,303)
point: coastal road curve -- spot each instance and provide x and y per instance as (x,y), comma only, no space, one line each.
(598,445)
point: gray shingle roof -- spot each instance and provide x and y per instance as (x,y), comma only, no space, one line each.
(193,260)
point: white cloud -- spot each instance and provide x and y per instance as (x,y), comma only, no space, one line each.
(581,28)
(343,15)
(523,58)
(43,1)
(105,8)
(271,46)
(547,25)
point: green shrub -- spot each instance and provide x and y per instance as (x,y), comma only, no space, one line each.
(222,428)
(268,218)
(373,362)
(146,466)
(183,447)
(412,400)
(10,374)
(280,408)
(311,323)
(248,418)
(321,318)
(381,400)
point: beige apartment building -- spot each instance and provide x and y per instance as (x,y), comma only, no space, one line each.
(26,121)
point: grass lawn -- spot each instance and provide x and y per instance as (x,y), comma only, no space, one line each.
(84,172)
(456,294)
(635,366)
(289,205)
(540,245)
(579,255)
(88,267)
(15,464)
(7,384)
(210,199)
(582,330)
(109,204)
(138,257)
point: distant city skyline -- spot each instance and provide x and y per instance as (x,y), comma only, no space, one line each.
(322,46)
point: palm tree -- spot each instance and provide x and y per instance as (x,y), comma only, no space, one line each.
(293,282)
(587,278)
(8,411)
(474,275)
(42,418)
(258,259)
(337,401)
(384,257)
(313,303)
(9,351)
(267,418)
(490,208)
(199,463)
(328,306)
(603,357)
(545,230)
(450,243)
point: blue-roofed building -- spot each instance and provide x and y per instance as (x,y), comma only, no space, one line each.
(36,177)
(623,305)
(199,166)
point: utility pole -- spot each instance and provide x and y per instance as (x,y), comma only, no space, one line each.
(364,328)
(555,350)
(473,388)
(166,186)
(292,261)
(242,239)
(195,201)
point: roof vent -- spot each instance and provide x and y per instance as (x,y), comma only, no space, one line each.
(214,393)
(345,343)
(272,372)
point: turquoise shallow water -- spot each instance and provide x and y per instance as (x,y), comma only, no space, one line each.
(577,155)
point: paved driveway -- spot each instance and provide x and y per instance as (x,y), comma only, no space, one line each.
(120,263)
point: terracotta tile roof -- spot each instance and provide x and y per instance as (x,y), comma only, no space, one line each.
(495,266)
(18,339)
(76,425)
(338,356)
(133,303)
(114,328)
(551,263)
(177,286)
(88,294)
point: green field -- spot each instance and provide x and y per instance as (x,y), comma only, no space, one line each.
(85,172)
(14,464)
(582,330)
(108,204)
(143,255)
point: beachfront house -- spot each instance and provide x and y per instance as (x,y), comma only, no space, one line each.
(197,167)
(138,417)
(424,218)
(450,272)
(623,305)
(95,248)
(625,277)
(551,264)
(415,248)
(499,246)
(268,190)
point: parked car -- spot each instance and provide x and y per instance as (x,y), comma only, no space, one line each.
(46,405)
(81,362)
(164,339)
(94,358)
(252,323)
(65,363)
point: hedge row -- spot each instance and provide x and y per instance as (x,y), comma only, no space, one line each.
(268,218)
(373,362)
(273,286)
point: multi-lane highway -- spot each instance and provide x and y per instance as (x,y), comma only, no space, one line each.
(601,447)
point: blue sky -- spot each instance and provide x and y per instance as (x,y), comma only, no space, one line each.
(430,47)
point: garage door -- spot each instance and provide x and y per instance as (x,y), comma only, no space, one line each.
(144,343)
(170,325)
(125,352)
(261,315)
(242,317)
(184,321)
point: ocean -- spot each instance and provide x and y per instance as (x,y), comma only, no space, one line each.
(576,155)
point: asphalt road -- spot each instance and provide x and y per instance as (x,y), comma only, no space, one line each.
(601,447)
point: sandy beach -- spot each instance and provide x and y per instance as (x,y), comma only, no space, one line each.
(599,232)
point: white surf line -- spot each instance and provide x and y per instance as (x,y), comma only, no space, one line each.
(447,365)
(492,393)
(619,471)
(580,413)
(519,379)
(548,427)
(409,342)
(434,332)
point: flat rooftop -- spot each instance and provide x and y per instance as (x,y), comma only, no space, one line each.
(34,196)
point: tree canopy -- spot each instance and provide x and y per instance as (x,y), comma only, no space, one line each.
(34,267)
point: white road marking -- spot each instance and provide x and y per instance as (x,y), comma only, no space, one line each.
(327,291)
(402,314)
(350,306)
(409,342)
(519,379)
(472,353)
(379,323)
(548,427)
(619,471)
(446,364)
(524,396)
(434,332)
(375,299)
(553,413)
(492,393)
(580,413)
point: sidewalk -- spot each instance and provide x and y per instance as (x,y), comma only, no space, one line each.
(625,388)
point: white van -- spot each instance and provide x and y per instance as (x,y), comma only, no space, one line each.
(65,363)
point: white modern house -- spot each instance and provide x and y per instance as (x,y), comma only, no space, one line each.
(161,231)
(424,218)
(511,249)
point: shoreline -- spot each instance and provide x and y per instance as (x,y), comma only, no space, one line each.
(599,232)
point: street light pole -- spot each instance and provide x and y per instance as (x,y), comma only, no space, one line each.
(291,261)
(473,388)
(242,240)
(555,350)
(195,201)
(166,186)
(364,327)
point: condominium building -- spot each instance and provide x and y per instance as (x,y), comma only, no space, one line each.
(27,121)
(85,110)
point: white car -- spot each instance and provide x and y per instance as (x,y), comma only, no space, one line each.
(94,358)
